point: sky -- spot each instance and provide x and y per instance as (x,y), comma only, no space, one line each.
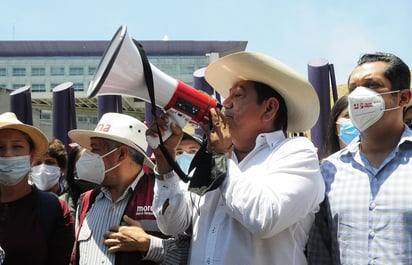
(297,33)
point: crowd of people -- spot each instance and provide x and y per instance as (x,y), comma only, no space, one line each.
(266,197)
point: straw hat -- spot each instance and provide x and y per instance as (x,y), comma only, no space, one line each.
(117,127)
(300,97)
(8,120)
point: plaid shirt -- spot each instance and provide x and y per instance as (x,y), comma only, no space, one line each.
(366,217)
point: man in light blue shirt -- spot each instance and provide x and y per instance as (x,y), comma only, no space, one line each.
(367,215)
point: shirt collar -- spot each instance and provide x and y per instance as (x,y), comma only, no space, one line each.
(271,139)
(130,188)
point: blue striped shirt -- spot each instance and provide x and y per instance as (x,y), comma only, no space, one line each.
(103,214)
(368,215)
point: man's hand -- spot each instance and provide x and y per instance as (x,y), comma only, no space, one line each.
(171,143)
(219,137)
(127,238)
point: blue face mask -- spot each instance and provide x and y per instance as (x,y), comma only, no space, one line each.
(184,161)
(348,131)
(14,169)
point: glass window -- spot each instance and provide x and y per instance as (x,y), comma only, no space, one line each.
(81,118)
(16,86)
(76,71)
(92,70)
(78,86)
(53,85)
(57,71)
(38,87)
(38,71)
(45,114)
(3,71)
(19,71)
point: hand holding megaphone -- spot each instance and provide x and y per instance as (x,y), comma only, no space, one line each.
(174,116)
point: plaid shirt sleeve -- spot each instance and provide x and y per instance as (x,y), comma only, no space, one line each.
(322,247)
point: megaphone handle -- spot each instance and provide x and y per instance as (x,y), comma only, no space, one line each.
(175,116)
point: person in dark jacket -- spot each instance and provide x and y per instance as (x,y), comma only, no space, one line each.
(35,227)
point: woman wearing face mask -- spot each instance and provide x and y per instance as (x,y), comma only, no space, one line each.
(47,172)
(35,228)
(340,129)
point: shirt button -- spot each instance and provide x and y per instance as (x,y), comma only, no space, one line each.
(372,206)
(372,234)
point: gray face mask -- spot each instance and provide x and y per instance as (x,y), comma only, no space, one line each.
(13,169)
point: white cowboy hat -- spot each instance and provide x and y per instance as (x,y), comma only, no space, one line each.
(118,127)
(8,120)
(300,97)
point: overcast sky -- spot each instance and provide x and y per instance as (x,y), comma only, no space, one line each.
(295,32)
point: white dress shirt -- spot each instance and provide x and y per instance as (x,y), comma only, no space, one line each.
(261,214)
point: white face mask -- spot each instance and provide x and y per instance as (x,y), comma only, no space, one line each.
(13,169)
(366,107)
(45,176)
(90,167)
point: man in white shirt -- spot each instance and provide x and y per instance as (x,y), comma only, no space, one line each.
(263,210)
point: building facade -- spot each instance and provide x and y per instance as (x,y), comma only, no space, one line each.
(43,65)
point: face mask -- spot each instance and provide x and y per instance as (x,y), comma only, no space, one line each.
(184,160)
(90,167)
(366,107)
(347,131)
(13,169)
(45,176)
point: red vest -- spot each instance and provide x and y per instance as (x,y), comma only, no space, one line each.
(136,208)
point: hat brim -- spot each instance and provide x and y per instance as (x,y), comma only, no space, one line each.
(82,137)
(187,136)
(40,140)
(300,97)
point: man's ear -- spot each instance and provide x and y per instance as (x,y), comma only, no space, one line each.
(405,96)
(123,152)
(271,108)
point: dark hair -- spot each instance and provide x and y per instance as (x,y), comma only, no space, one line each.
(264,92)
(332,139)
(73,189)
(58,151)
(397,72)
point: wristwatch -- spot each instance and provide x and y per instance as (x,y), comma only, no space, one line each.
(165,175)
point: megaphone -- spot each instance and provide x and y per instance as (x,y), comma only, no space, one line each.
(121,72)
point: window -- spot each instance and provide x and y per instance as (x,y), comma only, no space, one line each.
(45,114)
(53,85)
(76,71)
(38,71)
(3,71)
(82,119)
(92,70)
(38,87)
(18,71)
(78,86)
(57,71)
(16,86)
